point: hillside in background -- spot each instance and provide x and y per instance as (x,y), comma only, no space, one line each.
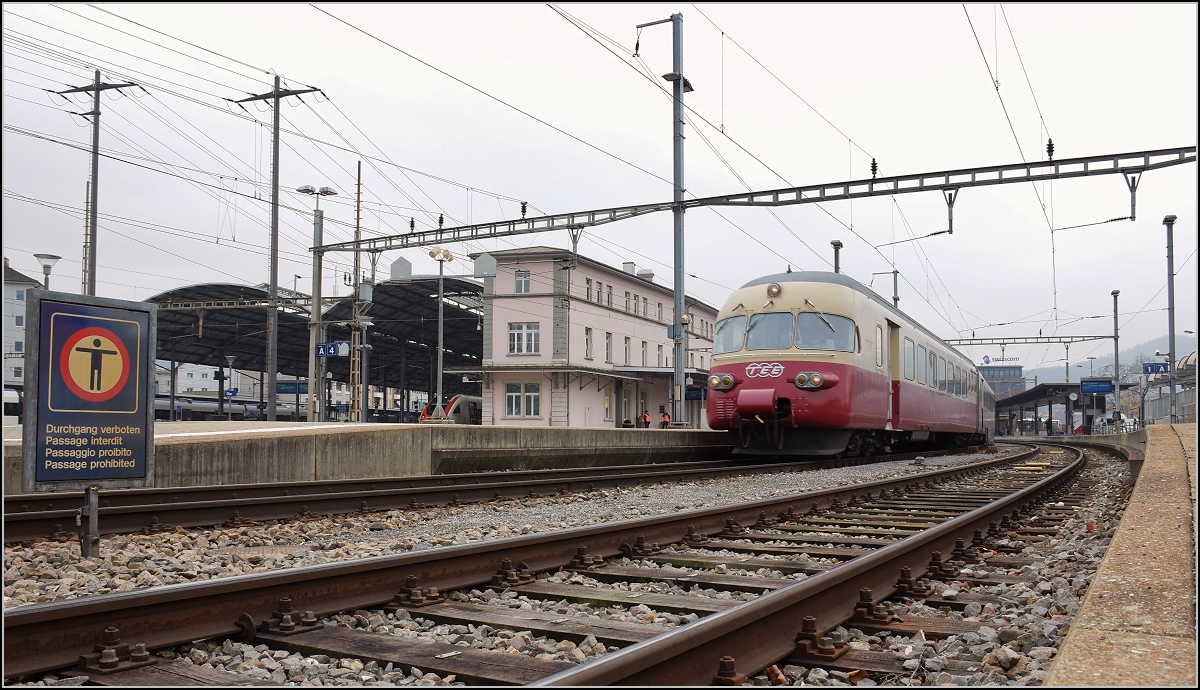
(1055,373)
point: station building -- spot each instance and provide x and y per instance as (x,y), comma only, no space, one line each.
(15,285)
(572,342)
(1005,379)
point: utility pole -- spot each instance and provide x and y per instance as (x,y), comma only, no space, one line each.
(273,292)
(96,87)
(679,86)
(358,340)
(87,238)
(1169,221)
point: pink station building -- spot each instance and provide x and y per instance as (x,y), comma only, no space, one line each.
(572,342)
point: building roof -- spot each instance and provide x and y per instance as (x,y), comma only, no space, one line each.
(550,253)
(12,275)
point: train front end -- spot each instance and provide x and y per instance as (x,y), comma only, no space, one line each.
(785,379)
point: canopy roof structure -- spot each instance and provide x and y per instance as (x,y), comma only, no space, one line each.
(202,324)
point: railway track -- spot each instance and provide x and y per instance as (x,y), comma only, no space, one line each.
(56,515)
(817,560)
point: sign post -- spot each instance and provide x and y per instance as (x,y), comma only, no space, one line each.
(89,397)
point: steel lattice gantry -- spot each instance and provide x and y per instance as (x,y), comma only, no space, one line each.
(948,182)
(201,324)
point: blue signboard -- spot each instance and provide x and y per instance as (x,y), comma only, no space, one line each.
(1095,386)
(1154,368)
(337,348)
(231,392)
(92,410)
(289,387)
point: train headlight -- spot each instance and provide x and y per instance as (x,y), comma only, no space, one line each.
(720,381)
(774,290)
(812,380)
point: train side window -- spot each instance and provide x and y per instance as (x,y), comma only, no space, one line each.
(942,374)
(957,381)
(921,359)
(932,369)
(910,364)
(878,345)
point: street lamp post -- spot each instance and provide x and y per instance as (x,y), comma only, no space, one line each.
(315,329)
(1116,362)
(1169,221)
(441,256)
(230,358)
(47,261)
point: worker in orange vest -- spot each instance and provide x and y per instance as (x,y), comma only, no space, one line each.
(646,419)
(666,419)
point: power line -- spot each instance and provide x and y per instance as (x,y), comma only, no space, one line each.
(494,98)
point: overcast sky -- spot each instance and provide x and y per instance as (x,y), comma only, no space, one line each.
(805,94)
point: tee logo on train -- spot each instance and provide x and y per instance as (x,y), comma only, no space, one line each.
(760,370)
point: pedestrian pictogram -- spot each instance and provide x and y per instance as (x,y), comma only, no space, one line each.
(95,364)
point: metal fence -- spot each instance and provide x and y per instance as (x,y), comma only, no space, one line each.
(1157,410)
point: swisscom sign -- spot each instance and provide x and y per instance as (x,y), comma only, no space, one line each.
(89,392)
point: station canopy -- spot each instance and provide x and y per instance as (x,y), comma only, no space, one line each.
(1046,394)
(202,324)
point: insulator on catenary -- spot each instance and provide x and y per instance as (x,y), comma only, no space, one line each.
(523,209)
(1050,149)
(441,220)
(874,167)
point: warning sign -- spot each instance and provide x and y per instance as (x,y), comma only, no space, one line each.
(90,402)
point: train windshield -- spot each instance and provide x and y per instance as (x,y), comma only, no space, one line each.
(771,331)
(824,332)
(728,337)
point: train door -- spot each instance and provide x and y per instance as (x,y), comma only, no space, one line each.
(894,368)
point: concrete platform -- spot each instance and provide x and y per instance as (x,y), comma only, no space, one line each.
(1137,624)
(214,453)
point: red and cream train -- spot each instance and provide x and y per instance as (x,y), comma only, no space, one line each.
(814,363)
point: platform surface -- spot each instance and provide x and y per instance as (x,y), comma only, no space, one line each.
(1137,624)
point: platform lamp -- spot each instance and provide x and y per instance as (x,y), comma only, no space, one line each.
(230,358)
(315,327)
(441,256)
(47,261)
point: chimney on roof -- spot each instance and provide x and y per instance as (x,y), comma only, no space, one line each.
(630,267)
(645,274)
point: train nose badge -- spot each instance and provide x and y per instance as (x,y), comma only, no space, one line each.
(762,370)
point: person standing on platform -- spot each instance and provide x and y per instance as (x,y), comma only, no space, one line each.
(666,419)
(645,419)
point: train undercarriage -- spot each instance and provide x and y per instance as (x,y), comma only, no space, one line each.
(768,437)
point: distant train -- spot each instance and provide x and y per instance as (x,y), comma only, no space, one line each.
(463,409)
(12,407)
(814,363)
(205,409)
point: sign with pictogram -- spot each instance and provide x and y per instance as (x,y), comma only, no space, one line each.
(89,392)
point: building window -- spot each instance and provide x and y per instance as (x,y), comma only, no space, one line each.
(660,359)
(692,360)
(189,389)
(637,304)
(522,287)
(910,363)
(643,353)
(645,306)
(627,351)
(660,311)
(189,375)
(204,376)
(921,364)
(20,294)
(608,294)
(20,321)
(608,347)
(18,372)
(589,289)
(524,338)
(608,404)
(522,399)
(587,343)
(19,346)
(626,300)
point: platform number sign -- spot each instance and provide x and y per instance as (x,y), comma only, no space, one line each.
(89,392)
